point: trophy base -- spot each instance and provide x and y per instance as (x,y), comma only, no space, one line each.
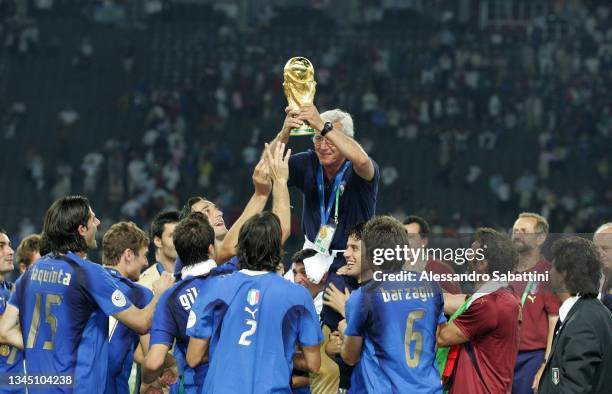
(304,130)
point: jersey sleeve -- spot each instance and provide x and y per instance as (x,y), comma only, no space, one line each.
(365,185)
(552,303)
(163,328)
(479,319)
(310,328)
(200,323)
(103,290)
(5,295)
(226,268)
(297,169)
(145,296)
(376,178)
(356,315)
(15,298)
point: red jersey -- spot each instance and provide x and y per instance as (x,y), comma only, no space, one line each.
(540,303)
(491,324)
(437,267)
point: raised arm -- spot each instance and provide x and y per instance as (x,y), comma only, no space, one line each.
(291,122)
(279,172)
(347,146)
(139,320)
(257,203)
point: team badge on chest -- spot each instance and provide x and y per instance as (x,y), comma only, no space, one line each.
(555,375)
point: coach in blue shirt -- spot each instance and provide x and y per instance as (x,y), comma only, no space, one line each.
(338,180)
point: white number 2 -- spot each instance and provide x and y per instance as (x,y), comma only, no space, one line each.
(243,338)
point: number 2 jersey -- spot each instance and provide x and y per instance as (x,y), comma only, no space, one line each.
(64,303)
(398,322)
(254,321)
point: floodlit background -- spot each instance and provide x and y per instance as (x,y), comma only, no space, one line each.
(474,110)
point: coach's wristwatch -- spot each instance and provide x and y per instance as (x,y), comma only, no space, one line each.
(327,127)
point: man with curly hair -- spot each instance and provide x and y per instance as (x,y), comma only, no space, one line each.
(581,356)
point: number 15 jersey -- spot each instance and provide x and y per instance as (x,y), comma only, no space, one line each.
(64,303)
(254,321)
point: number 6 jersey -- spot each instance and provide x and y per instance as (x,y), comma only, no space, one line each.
(398,322)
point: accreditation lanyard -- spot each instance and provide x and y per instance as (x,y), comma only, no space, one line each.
(335,193)
(526,292)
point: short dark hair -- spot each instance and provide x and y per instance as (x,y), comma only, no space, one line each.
(26,249)
(192,238)
(302,255)
(186,210)
(119,237)
(498,249)
(579,259)
(424,228)
(162,218)
(356,231)
(384,232)
(60,233)
(259,243)
(3,231)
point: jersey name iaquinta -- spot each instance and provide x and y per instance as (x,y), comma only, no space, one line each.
(64,302)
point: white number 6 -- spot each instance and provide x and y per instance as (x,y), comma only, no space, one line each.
(243,338)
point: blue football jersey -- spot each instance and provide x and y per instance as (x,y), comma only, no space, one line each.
(254,321)
(398,322)
(229,266)
(170,322)
(11,358)
(122,340)
(64,303)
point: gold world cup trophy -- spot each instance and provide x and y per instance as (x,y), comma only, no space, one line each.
(299,87)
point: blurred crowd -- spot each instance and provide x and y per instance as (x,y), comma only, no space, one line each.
(467,122)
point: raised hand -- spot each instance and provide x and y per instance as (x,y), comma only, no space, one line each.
(261,177)
(310,114)
(336,299)
(291,122)
(165,281)
(279,164)
(334,344)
